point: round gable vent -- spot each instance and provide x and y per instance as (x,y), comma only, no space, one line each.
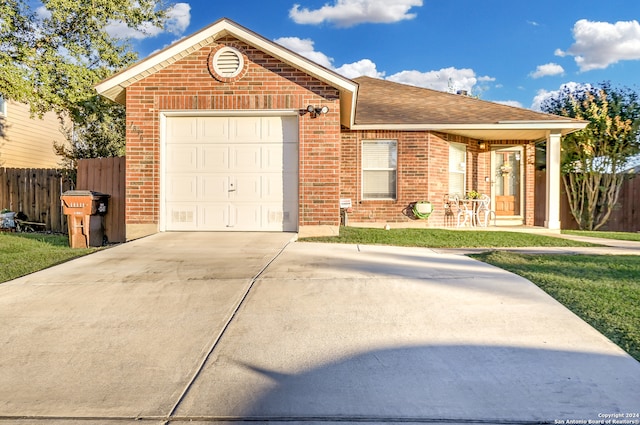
(227,63)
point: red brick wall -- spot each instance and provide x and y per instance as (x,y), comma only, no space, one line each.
(267,84)
(423,174)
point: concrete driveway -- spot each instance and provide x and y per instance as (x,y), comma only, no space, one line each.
(230,327)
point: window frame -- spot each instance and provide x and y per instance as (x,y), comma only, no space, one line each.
(3,106)
(461,169)
(394,154)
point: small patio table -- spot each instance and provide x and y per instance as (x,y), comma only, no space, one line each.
(471,211)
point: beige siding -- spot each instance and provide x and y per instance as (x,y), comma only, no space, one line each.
(27,142)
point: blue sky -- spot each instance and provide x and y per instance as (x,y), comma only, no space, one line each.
(508,51)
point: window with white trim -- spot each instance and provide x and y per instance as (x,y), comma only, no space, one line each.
(379,169)
(3,106)
(457,168)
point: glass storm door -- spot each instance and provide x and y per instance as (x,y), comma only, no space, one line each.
(508,187)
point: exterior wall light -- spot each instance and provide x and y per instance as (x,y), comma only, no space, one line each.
(314,111)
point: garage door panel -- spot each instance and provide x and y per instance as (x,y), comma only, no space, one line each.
(182,129)
(182,158)
(246,216)
(181,188)
(214,158)
(213,216)
(248,188)
(214,130)
(273,158)
(271,188)
(214,187)
(245,158)
(245,129)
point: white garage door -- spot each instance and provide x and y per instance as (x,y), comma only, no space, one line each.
(231,173)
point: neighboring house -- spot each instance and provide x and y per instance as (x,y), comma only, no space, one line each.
(227,130)
(26,141)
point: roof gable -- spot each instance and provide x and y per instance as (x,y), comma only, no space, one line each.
(115,87)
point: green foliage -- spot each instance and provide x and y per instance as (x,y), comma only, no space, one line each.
(593,159)
(99,131)
(603,290)
(52,57)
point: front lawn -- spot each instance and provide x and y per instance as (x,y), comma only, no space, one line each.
(603,290)
(443,238)
(24,253)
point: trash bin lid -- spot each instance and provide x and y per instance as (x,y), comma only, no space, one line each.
(85,193)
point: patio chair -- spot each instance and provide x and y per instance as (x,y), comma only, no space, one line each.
(484,212)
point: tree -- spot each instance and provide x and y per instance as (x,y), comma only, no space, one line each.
(593,159)
(52,57)
(98,131)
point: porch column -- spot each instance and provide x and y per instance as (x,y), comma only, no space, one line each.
(552,221)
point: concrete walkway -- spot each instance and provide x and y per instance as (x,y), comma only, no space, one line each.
(233,327)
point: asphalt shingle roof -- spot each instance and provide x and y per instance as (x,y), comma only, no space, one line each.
(387,102)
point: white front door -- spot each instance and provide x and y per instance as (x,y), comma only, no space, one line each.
(508,188)
(231,173)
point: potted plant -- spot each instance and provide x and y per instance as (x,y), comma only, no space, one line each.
(472,194)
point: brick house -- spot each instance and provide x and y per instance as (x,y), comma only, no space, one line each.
(227,130)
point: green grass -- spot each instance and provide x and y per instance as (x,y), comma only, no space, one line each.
(603,290)
(442,238)
(624,236)
(24,253)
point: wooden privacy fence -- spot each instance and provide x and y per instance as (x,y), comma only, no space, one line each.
(36,193)
(106,175)
(624,218)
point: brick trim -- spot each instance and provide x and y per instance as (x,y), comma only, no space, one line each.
(214,73)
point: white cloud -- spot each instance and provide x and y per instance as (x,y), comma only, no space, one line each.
(543,95)
(514,103)
(362,67)
(600,44)
(540,97)
(446,79)
(178,19)
(347,13)
(548,69)
(305,47)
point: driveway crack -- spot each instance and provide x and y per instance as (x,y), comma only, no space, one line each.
(217,339)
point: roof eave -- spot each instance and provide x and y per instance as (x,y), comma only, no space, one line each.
(480,131)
